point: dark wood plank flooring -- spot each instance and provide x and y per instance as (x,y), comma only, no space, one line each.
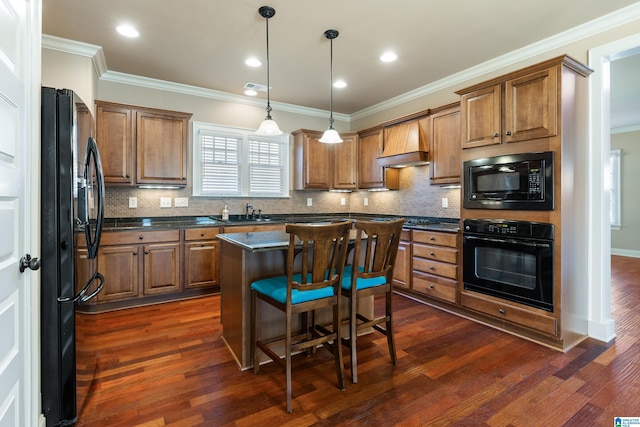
(166,365)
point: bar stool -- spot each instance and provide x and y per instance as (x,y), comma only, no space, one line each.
(369,276)
(317,285)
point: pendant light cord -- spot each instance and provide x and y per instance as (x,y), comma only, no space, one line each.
(331,85)
(268,83)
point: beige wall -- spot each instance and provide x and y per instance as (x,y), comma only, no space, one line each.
(67,71)
(628,237)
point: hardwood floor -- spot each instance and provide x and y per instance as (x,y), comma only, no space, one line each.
(166,365)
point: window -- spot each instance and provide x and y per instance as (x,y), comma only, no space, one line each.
(233,162)
(614,188)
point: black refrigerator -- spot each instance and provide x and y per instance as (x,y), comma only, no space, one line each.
(72,212)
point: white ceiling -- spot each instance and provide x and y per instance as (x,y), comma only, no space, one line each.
(204,43)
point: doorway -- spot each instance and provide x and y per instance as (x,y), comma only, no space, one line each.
(601,324)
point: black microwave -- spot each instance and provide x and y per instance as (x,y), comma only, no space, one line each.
(514,182)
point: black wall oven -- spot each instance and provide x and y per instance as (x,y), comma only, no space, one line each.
(512,260)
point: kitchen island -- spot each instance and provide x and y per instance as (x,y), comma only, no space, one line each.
(244,258)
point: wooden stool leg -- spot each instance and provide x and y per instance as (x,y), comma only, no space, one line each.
(337,346)
(353,336)
(389,325)
(255,331)
(287,350)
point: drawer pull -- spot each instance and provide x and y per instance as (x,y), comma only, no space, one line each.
(432,254)
(202,245)
(201,234)
(431,287)
(501,311)
(432,238)
(432,268)
(141,237)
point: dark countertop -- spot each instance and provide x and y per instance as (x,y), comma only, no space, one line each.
(418,223)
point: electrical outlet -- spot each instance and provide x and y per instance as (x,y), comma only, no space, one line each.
(366,201)
(181,202)
(343,201)
(309,201)
(165,202)
(133,202)
(445,202)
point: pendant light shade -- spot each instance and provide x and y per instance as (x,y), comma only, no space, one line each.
(331,135)
(268,125)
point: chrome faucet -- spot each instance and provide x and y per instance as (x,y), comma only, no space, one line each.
(246,210)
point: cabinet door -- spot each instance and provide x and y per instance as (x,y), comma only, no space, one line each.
(531,106)
(370,173)
(481,117)
(402,269)
(446,163)
(161,268)
(120,266)
(114,136)
(201,267)
(312,167)
(345,163)
(161,141)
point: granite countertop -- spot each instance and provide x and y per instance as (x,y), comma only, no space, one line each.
(418,223)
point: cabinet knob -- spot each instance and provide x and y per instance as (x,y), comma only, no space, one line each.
(508,133)
(201,234)
(141,237)
(432,254)
(432,268)
(146,252)
(135,253)
(432,238)
(431,286)
(501,311)
(202,245)
(495,135)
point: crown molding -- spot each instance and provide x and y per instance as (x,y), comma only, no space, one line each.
(77,48)
(604,23)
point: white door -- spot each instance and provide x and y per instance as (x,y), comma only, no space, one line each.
(19,106)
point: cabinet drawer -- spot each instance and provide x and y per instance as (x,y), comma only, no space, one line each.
(436,253)
(253,228)
(434,286)
(133,237)
(201,233)
(435,267)
(405,235)
(436,238)
(529,318)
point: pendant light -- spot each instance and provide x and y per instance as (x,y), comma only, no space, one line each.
(268,125)
(331,135)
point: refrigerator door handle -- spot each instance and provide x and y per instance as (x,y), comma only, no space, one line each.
(93,155)
(82,297)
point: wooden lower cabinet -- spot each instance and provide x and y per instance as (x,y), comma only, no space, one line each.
(435,264)
(120,266)
(201,258)
(402,269)
(161,272)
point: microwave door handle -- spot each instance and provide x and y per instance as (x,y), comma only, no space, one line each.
(511,241)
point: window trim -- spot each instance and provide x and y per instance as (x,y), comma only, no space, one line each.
(244,156)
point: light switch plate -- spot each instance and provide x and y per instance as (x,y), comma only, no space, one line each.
(445,202)
(181,202)
(133,202)
(366,201)
(309,201)
(165,202)
(343,201)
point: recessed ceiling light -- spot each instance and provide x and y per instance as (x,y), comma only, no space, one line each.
(339,84)
(388,57)
(127,30)
(253,62)
(250,92)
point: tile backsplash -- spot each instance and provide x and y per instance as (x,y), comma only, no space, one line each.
(416,197)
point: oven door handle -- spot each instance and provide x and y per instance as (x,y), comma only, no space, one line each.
(516,242)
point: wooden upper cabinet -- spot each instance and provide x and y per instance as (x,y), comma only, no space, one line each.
(115,139)
(444,139)
(531,106)
(370,174)
(161,147)
(519,108)
(142,145)
(320,166)
(345,162)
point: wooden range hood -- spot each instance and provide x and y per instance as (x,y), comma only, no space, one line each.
(405,144)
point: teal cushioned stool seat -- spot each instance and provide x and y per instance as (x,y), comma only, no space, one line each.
(361,283)
(276,288)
